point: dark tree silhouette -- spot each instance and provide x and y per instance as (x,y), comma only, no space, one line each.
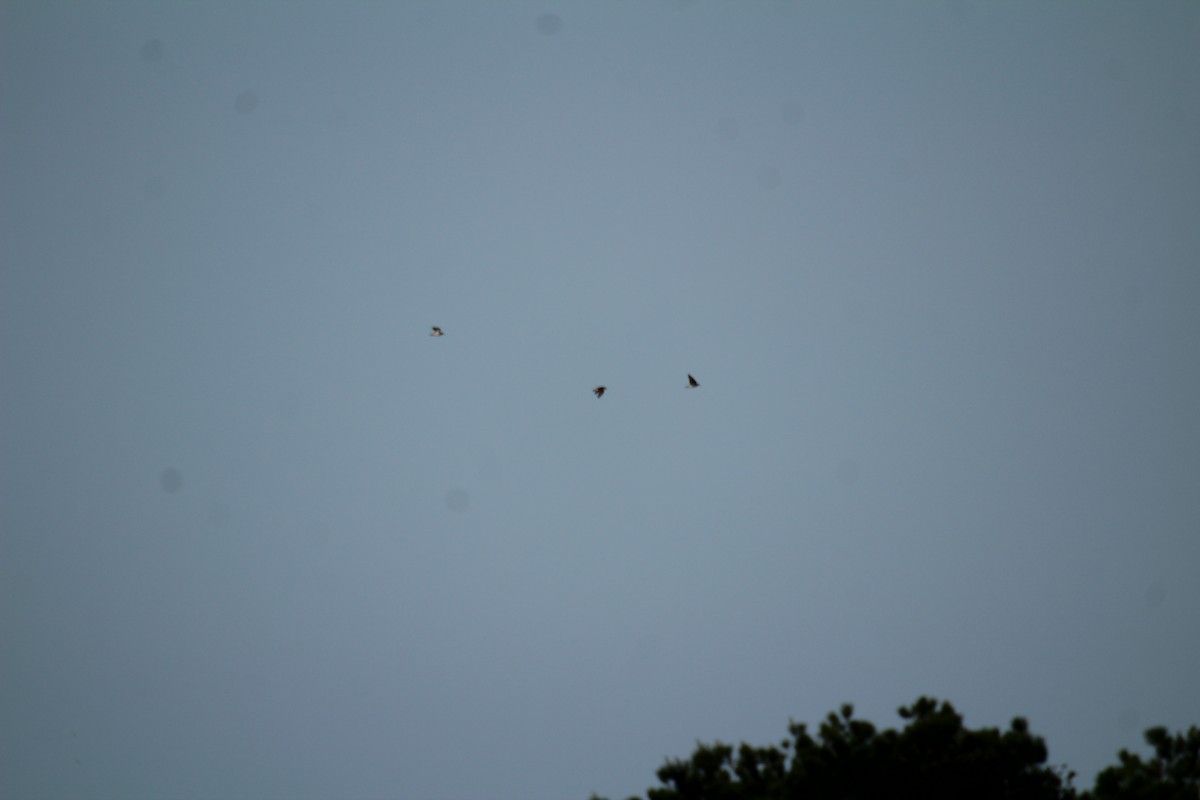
(1173,773)
(932,757)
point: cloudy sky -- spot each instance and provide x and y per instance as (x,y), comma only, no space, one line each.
(935,268)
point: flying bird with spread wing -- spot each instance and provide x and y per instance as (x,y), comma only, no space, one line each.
(599,391)
(692,384)
(437,331)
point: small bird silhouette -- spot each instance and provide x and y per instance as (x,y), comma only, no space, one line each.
(437,331)
(599,391)
(692,384)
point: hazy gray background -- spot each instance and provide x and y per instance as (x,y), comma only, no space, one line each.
(934,265)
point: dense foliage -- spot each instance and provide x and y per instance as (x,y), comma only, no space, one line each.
(1173,773)
(933,756)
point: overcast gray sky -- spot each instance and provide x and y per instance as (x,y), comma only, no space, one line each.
(934,266)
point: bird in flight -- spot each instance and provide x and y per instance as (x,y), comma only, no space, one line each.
(599,391)
(692,384)
(437,331)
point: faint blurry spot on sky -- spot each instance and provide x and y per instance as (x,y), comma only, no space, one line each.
(152,51)
(728,129)
(1132,296)
(287,406)
(318,532)
(154,187)
(171,480)
(960,11)
(218,514)
(848,471)
(903,167)
(769,176)
(457,499)
(312,215)
(1156,595)
(1114,69)
(792,112)
(549,24)
(246,102)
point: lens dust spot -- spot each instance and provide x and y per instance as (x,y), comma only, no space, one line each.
(1115,69)
(218,514)
(154,187)
(171,480)
(769,176)
(1128,719)
(903,168)
(792,113)
(728,129)
(457,499)
(312,216)
(1132,297)
(1156,595)
(287,406)
(848,472)
(152,51)
(246,102)
(961,12)
(549,24)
